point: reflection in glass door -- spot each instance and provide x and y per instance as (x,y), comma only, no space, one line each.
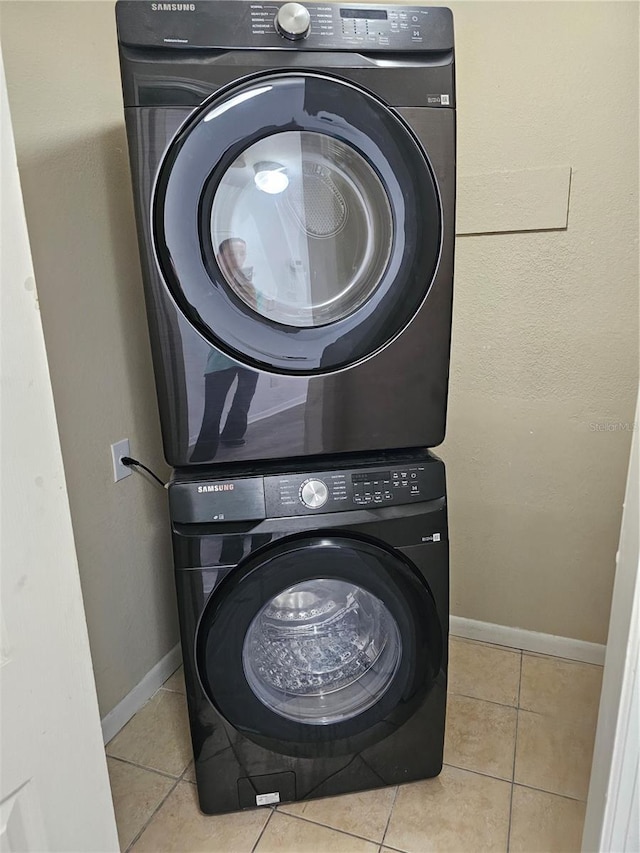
(302,228)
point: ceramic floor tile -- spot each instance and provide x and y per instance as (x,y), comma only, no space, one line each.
(365,813)
(484,672)
(157,736)
(560,687)
(554,754)
(176,682)
(179,826)
(541,821)
(136,795)
(189,774)
(456,811)
(480,736)
(285,834)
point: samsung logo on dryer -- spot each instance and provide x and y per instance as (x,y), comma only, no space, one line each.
(173,7)
(217,487)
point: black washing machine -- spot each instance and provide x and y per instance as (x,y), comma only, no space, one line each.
(294,181)
(313,609)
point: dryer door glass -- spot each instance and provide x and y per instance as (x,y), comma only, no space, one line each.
(321,651)
(297,223)
(313,219)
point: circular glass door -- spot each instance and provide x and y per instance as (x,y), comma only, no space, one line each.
(319,643)
(297,223)
(315,221)
(322,651)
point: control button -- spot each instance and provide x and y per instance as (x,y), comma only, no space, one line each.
(405,482)
(293,21)
(314,493)
(413,475)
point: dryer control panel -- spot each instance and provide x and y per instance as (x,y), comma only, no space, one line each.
(242,24)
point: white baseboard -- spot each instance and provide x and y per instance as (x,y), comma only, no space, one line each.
(144,690)
(528,641)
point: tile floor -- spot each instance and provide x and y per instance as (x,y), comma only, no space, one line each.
(518,748)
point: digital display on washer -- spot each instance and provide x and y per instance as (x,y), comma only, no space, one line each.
(370,476)
(368,14)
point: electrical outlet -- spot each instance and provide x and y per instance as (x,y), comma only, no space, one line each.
(118,450)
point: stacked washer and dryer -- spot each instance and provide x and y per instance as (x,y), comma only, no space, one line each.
(294,181)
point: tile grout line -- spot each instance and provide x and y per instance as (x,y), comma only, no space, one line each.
(519,784)
(157,809)
(170,690)
(262,831)
(162,773)
(479,773)
(154,813)
(480,699)
(551,793)
(515,750)
(475,773)
(390,847)
(386,828)
(527,652)
(332,828)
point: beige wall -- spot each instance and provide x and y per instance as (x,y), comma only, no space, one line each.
(545,334)
(545,324)
(63,79)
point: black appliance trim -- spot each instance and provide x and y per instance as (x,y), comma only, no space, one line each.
(198,154)
(388,575)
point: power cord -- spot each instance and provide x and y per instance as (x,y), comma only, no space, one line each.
(133,463)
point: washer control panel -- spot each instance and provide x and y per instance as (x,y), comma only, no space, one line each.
(331,491)
(252,497)
(244,25)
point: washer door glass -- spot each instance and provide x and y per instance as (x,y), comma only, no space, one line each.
(319,644)
(321,651)
(297,223)
(314,220)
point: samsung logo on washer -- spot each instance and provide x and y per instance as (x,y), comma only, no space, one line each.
(173,7)
(217,487)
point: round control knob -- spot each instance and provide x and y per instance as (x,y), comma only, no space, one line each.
(314,493)
(293,21)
